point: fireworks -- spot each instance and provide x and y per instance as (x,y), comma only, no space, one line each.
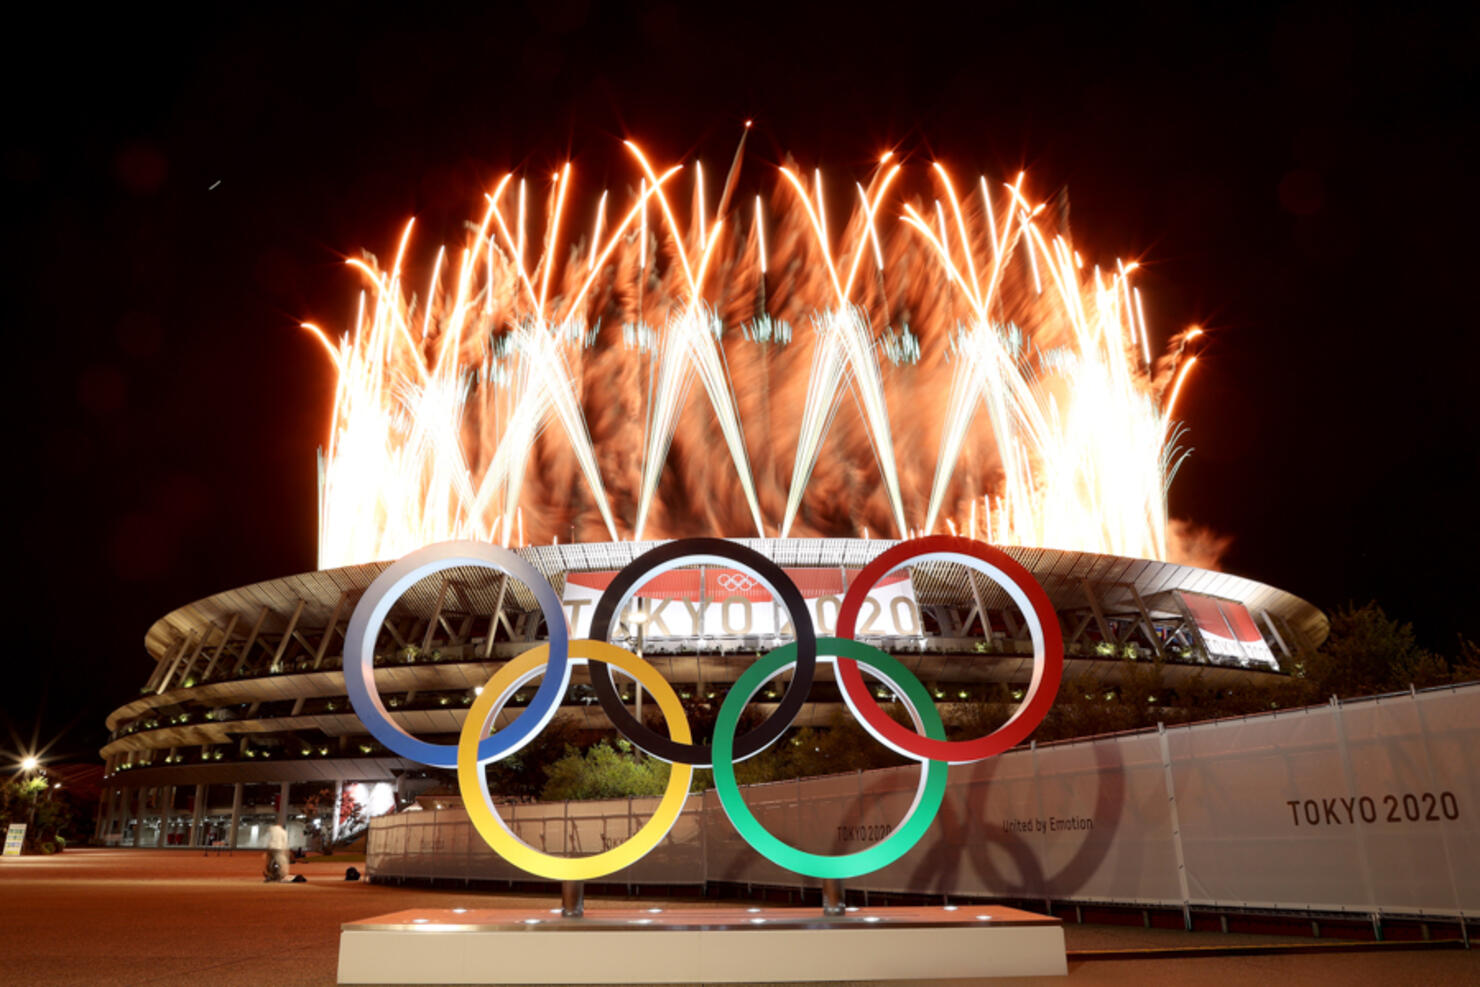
(941,362)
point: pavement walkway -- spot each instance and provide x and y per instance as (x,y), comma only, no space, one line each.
(177,918)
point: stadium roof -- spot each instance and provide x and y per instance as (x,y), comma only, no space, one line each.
(325,595)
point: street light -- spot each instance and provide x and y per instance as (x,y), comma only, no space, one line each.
(29,764)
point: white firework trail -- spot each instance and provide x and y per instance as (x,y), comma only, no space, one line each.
(442,401)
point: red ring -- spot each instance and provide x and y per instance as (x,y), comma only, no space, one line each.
(1048,666)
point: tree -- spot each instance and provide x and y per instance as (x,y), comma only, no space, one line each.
(48,816)
(603,771)
(1369,652)
(1466,664)
(523,774)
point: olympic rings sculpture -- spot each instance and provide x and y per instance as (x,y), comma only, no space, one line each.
(479,744)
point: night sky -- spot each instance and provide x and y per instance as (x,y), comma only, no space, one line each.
(1297,180)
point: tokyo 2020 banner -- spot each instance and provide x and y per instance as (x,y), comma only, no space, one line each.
(480,745)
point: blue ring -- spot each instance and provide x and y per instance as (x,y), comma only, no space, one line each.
(371,611)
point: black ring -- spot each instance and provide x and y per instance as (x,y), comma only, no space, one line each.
(777,581)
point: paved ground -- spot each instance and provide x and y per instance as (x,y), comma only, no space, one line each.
(180,918)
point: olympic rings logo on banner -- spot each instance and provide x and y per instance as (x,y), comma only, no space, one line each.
(733,582)
(480,744)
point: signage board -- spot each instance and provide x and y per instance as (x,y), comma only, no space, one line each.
(718,602)
(1227,629)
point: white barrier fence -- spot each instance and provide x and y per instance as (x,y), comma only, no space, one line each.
(1370,806)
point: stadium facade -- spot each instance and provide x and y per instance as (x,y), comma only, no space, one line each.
(244,718)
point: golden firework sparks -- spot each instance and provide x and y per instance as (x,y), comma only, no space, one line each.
(1016,399)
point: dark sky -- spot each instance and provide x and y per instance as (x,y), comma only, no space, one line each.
(1299,180)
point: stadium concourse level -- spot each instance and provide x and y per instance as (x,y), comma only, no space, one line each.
(243,719)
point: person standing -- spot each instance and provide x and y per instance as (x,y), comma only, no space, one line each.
(275,866)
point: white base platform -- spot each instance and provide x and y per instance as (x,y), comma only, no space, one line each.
(608,946)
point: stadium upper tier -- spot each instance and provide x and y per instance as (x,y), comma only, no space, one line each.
(259,666)
(1078,583)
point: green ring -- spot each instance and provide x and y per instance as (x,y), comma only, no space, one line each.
(927,800)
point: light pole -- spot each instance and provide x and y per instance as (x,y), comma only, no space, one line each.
(29,764)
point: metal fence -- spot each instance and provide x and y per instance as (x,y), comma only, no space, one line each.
(1370,806)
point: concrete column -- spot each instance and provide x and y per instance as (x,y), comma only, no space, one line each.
(139,805)
(117,808)
(105,812)
(117,813)
(104,804)
(165,797)
(283,792)
(236,814)
(198,814)
(334,816)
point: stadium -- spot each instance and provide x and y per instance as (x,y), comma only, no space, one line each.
(692,377)
(243,716)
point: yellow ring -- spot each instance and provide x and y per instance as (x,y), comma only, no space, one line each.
(480,806)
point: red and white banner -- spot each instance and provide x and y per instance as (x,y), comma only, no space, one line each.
(1227,629)
(719,602)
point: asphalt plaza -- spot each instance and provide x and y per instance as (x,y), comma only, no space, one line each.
(178,917)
